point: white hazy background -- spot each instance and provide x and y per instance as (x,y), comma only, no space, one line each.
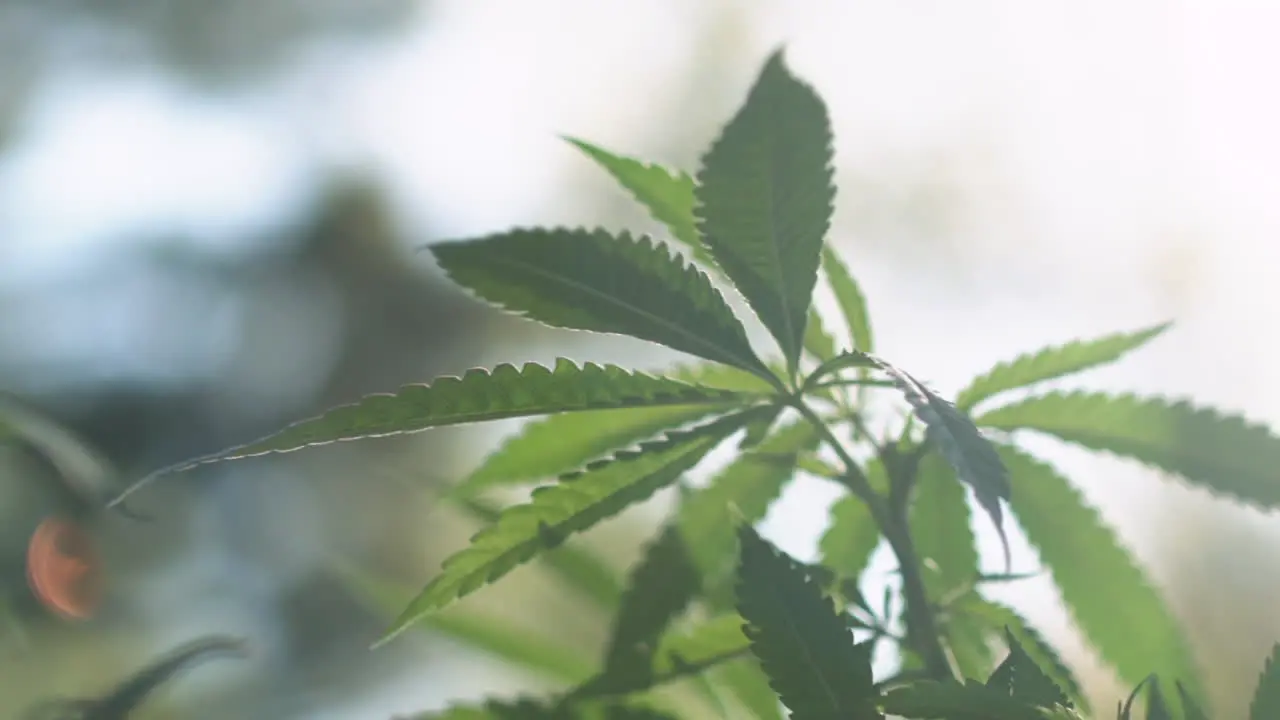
(1011,175)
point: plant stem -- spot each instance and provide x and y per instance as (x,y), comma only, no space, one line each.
(924,633)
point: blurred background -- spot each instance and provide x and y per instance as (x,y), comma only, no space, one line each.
(208,217)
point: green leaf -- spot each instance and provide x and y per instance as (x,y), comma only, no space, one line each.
(1157,707)
(497,636)
(1107,593)
(1019,676)
(562,443)
(1031,642)
(744,489)
(969,643)
(805,648)
(577,568)
(668,194)
(853,304)
(1266,698)
(481,395)
(1054,362)
(592,280)
(1190,708)
(940,526)
(748,683)
(817,341)
(765,196)
(950,700)
(951,431)
(1224,454)
(851,537)
(530,709)
(578,502)
(661,586)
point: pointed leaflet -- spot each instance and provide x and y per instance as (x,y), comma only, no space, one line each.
(1224,454)
(954,435)
(1121,615)
(1021,677)
(950,700)
(817,341)
(663,583)
(562,443)
(1054,362)
(592,280)
(577,568)
(744,489)
(939,521)
(579,501)
(668,194)
(765,197)
(805,648)
(853,304)
(1157,707)
(1032,643)
(1190,708)
(1266,698)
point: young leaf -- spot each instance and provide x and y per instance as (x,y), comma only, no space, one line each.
(1032,643)
(1054,362)
(668,194)
(577,568)
(940,526)
(744,489)
(1223,453)
(970,454)
(949,700)
(478,396)
(1020,677)
(1107,593)
(563,443)
(661,586)
(805,648)
(1266,698)
(765,195)
(592,280)
(579,501)
(853,304)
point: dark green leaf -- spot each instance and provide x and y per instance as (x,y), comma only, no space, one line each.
(1266,698)
(1222,453)
(1190,708)
(663,583)
(744,489)
(765,197)
(1107,593)
(952,701)
(940,526)
(577,568)
(1020,677)
(668,194)
(1054,362)
(563,443)
(1157,708)
(592,280)
(853,304)
(805,648)
(578,502)
(1031,642)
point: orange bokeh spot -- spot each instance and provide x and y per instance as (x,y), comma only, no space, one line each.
(63,569)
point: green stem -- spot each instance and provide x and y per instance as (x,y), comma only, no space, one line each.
(924,634)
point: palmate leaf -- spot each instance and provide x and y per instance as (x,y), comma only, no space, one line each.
(1266,698)
(668,194)
(853,304)
(1107,593)
(805,648)
(661,586)
(1054,362)
(1224,454)
(578,502)
(562,443)
(741,492)
(593,280)
(940,525)
(1031,642)
(765,196)
(1019,676)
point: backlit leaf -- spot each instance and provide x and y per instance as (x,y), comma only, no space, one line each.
(1224,454)
(853,304)
(577,502)
(765,195)
(1108,595)
(593,280)
(1054,362)
(805,648)
(817,341)
(940,526)
(1032,643)
(1021,677)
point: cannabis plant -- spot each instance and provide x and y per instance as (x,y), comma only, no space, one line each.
(710,600)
